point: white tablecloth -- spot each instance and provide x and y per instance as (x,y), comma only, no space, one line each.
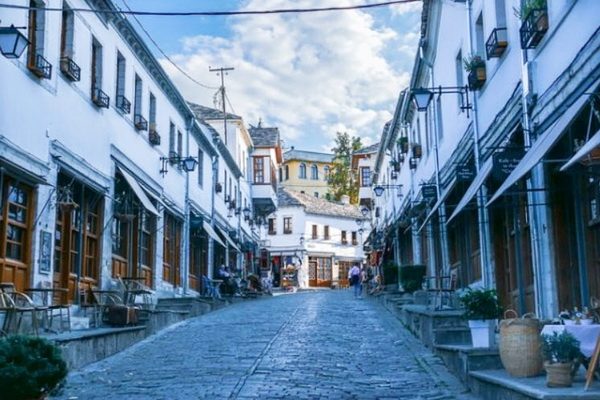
(586,334)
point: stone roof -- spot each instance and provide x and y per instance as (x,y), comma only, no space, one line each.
(305,155)
(374,148)
(264,137)
(207,113)
(316,205)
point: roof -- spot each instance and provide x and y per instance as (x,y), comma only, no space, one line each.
(316,205)
(305,155)
(208,113)
(374,148)
(264,137)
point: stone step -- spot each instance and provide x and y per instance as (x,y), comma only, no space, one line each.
(79,323)
(463,359)
(452,335)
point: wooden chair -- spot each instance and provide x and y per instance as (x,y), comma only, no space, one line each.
(44,297)
(15,305)
(442,287)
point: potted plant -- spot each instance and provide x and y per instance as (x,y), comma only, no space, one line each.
(417,150)
(30,368)
(475,66)
(534,17)
(559,350)
(403,144)
(482,309)
(411,277)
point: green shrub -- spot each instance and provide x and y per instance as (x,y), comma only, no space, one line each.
(390,273)
(481,304)
(29,367)
(411,277)
(560,348)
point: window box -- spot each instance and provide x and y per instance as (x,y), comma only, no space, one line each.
(534,27)
(41,67)
(477,77)
(417,150)
(394,175)
(123,104)
(403,144)
(70,69)
(496,43)
(140,122)
(218,187)
(100,98)
(154,137)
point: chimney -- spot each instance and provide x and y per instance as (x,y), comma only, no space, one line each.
(345,199)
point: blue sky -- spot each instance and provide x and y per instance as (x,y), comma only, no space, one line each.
(308,74)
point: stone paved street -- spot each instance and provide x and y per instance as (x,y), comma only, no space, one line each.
(302,346)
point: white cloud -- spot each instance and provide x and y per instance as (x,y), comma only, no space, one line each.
(309,74)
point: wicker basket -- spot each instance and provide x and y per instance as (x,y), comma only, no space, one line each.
(520,345)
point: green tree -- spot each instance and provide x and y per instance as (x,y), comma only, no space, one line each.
(342,179)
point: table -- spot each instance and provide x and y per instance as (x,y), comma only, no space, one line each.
(46,296)
(586,334)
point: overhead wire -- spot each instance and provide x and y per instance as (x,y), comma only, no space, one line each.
(160,50)
(219,13)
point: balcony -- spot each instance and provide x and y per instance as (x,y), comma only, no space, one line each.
(70,69)
(40,67)
(153,136)
(100,98)
(140,122)
(417,150)
(534,27)
(123,104)
(496,43)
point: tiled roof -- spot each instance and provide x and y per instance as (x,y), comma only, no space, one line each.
(316,205)
(207,113)
(264,137)
(374,148)
(305,155)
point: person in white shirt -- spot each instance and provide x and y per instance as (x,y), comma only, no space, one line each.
(354,277)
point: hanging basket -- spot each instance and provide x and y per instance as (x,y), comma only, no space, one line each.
(520,344)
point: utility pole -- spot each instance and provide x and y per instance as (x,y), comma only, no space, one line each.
(222,71)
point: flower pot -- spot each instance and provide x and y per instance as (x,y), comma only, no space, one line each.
(482,332)
(558,374)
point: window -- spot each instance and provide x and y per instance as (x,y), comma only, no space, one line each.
(328,196)
(225,184)
(200,167)
(67,29)
(500,13)
(354,239)
(326,173)
(37,22)
(439,120)
(137,100)
(287,172)
(172,152)
(315,233)
(314,172)
(152,112)
(302,171)
(272,227)
(280,175)
(479,36)
(326,232)
(120,93)
(317,195)
(259,170)
(365,176)
(287,225)
(344,239)
(147,230)
(96,65)
(179,143)
(460,80)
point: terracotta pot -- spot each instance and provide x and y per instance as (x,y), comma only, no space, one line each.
(558,374)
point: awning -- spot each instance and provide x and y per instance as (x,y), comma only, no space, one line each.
(437,205)
(584,151)
(139,192)
(211,232)
(541,146)
(228,239)
(482,175)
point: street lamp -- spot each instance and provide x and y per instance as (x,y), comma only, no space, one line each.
(12,42)
(364,211)
(379,189)
(422,96)
(246,212)
(188,164)
(302,240)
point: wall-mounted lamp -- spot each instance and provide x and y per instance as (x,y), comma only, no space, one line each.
(188,164)
(302,240)
(365,211)
(379,189)
(413,162)
(12,42)
(422,96)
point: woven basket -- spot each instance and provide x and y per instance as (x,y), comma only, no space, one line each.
(520,345)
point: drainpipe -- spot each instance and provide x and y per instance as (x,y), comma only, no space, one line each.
(186,218)
(487,266)
(211,242)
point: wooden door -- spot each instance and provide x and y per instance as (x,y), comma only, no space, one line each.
(16,205)
(344,268)
(312,273)
(320,274)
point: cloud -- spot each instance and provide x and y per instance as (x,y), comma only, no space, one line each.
(308,74)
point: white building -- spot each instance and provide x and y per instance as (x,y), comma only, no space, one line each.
(93,136)
(317,238)
(485,197)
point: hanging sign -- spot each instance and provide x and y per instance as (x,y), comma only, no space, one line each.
(505,162)
(429,192)
(464,173)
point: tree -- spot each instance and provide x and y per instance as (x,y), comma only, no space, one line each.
(342,179)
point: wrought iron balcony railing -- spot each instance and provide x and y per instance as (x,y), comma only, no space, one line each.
(100,98)
(123,104)
(140,122)
(70,69)
(41,67)
(496,43)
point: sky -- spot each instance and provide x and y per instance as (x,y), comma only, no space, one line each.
(311,75)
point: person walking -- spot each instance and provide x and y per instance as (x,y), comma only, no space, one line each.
(354,277)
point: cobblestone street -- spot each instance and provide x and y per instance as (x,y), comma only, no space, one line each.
(303,346)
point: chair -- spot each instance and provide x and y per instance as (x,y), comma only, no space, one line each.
(208,290)
(15,305)
(442,287)
(44,297)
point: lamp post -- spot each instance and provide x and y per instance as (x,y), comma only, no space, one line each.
(12,42)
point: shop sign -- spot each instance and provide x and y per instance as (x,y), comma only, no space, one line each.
(464,173)
(429,192)
(505,162)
